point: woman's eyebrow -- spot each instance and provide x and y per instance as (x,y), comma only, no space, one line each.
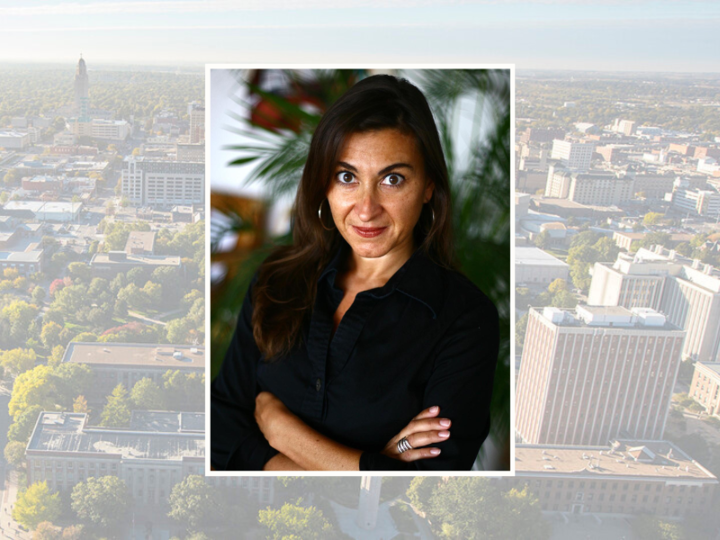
(395,166)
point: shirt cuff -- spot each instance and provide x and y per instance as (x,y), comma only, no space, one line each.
(250,456)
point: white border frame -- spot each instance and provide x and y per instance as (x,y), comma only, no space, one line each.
(208,176)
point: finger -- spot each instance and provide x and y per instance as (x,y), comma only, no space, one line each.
(418,440)
(426,424)
(430,412)
(419,453)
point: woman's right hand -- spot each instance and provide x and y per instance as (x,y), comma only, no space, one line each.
(422,430)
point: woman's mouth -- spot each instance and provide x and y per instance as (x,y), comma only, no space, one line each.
(369,232)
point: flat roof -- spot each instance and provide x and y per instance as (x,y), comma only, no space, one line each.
(652,460)
(536,256)
(68,432)
(151,260)
(136,354)
(144,240)
(712,366)
(168,422)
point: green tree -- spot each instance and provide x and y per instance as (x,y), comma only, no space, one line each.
(195,504)
(50,334)
(79,271)
(520,329)
(293,521)
(558,285)
(117,410)
(421,490)
(21,429)
(18,361)
(38,295)
(653,218)
(35,505)
(564,299)
(184,391)
(33,387)
(147,394)
(469,508)
(102,502)
(542,240)
(80,405)
(525,519)
(15,453)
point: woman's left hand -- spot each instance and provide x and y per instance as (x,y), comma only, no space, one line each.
(269,413)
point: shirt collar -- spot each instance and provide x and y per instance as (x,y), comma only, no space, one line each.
(419,278)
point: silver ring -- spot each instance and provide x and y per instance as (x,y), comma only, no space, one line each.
(403,445)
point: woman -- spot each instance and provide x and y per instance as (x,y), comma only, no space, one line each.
(360,347)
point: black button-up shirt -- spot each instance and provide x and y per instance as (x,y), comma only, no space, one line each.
(427,337)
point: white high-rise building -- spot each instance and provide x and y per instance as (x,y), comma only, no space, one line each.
(595,374)
(163,183)
(573,155)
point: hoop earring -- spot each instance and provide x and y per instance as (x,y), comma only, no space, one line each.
(321,219)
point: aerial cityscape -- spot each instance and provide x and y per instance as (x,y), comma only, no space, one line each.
(102,322)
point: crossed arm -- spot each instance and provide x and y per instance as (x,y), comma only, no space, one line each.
(303,448)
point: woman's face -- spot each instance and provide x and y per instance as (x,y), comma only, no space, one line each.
(378,191)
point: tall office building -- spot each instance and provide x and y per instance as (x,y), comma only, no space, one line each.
(595,374)
(573,155)
(686,291)
(82,86)
(163,183)
(197,124)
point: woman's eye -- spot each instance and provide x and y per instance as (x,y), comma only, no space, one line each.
(393,180)
(345,177)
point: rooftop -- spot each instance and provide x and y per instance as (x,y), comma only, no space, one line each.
(536,256)
(135,259)
(136,354)
(68,432)
(660,460)
(712,366)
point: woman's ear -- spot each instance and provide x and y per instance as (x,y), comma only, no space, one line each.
(429,191)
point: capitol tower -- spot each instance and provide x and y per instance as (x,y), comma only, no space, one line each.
(82,102)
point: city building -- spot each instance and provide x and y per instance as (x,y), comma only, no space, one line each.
(157,451)
(632,280)
(623,478)
(541,135)
(197,124)
(14,140)
(705,386)
(687,292)
(98,128)
(626,127)
(190,152)
(46,211)
(82,86)
(163,183)
(595,374)
(140,243)
(701,202)
(533,266)
(595,188)
(573,155)
(127,363)
(112,263)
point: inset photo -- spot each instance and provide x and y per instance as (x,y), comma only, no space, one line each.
(360,240)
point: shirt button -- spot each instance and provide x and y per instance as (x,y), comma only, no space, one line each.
(318,385)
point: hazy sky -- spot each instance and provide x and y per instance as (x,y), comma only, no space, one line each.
(568,34)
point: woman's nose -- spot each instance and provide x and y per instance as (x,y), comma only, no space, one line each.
(368,206)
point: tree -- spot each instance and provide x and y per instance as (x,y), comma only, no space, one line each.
(293,521)
(564,299)
(146,394)
(56,355)
(420,490)
(117,410)
(47,531)
(21,429)
(542,240)
(195,504)
(15,453)
(525,519)
(50,334)
(184,391)
(558,285)
(653,218)
(520,329)
(102,502)
(38,295)
(79,271)
(18,361)
(80,405)
(35,505)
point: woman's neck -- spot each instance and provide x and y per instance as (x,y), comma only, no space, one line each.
(377,271)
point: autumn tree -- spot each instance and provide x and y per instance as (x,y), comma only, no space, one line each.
(35,505)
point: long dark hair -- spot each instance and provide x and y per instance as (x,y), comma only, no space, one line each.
(284,292)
